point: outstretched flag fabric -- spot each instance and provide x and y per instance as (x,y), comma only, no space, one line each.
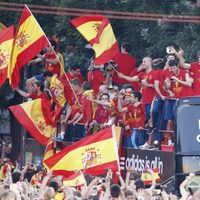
(95,153)
(36,118)
(28,42)
(6,41)
(98,32)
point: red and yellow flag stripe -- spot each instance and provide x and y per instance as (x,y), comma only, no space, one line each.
(97,153)
(98,32)
(6,41)
(75,180)
(28,42)
(34,120)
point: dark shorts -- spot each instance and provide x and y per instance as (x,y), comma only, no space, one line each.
(169,109)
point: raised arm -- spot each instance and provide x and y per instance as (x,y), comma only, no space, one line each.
(22,93)
(129,78)
(53,61)
(187,81)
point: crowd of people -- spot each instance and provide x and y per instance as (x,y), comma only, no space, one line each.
(32,183)
(142,100)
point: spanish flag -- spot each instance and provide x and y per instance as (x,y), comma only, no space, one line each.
(28,42)
(147,178)
(96,153)
(97,30)
(35,116)
(75,180)
(58,88)
(6,41)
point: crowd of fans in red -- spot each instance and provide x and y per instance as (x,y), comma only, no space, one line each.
(142,100)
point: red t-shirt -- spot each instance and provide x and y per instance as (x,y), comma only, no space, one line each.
(75,105)
(179,89)
(128,116)
(138,115)
(87,108)
(102,115)
(126,63)
(195,69)
(158,76)
(136,85)
(43,95)
(95,78)
(148,93)
(51,67)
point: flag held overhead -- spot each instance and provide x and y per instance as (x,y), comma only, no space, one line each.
(29,40)
(96,29)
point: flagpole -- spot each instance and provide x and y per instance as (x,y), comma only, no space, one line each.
(113,67)
(115,145)
(58,59)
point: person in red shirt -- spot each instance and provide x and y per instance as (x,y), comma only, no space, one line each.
(96,77)
(147,82)
(52,63)
(102,114)
(87,105)
(37,91)
(194,68)
(75,128)
(75,72)
(178,85)
(126,64)
(133,119)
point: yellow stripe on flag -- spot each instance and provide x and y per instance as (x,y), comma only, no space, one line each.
(118,131)
(106,40)
(89,30)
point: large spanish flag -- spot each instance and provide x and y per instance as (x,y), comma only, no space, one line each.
(97,30)
(28,42)
(96,153)
(6,41)
(36,118)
